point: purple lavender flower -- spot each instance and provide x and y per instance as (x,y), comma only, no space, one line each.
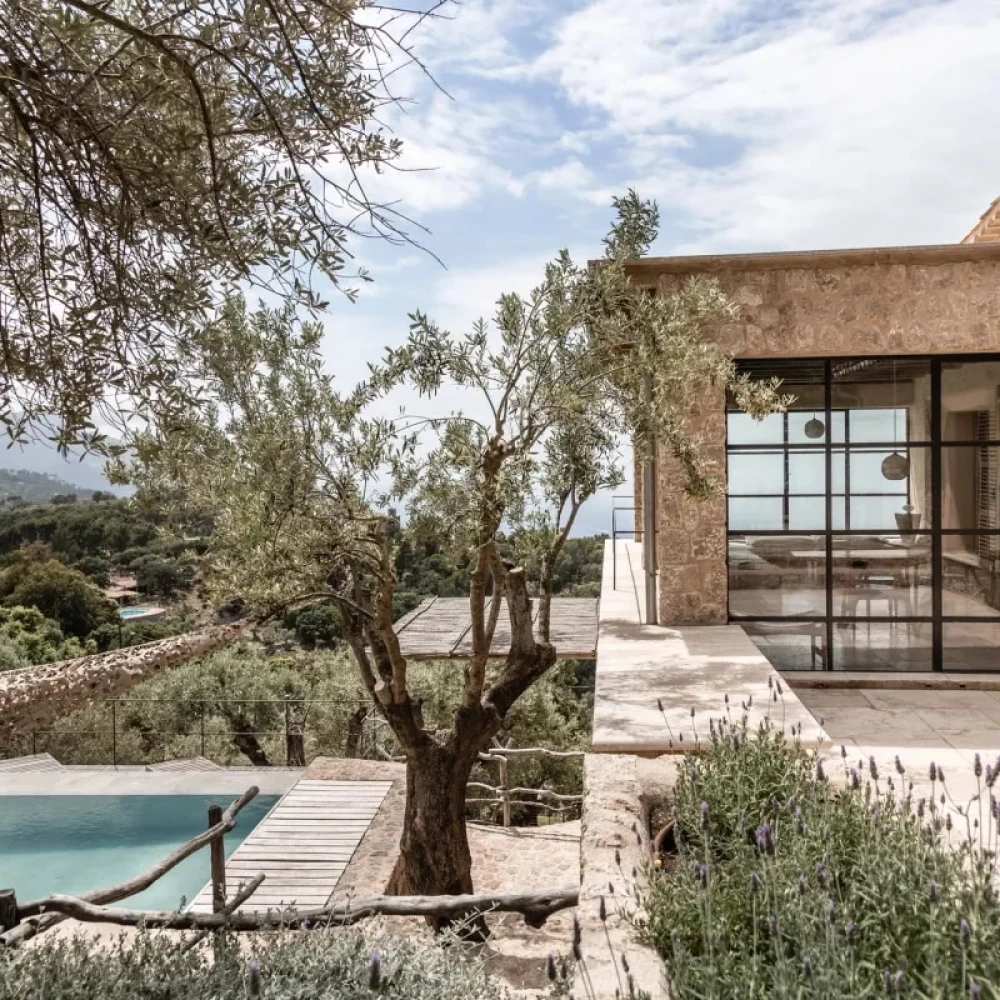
(374,970)
(602,910)
(754,882)
(933,771)
(820,773)
(806,965)
(947,822)
(550,968)
(772,924)
(821,874)
(932,890)
(873,768)
(974,991)
(843,751)
(977,766)
(964,932)
(253,978)
(704,814)
(900,770)
(849,930)
(765,841)
(855,779)
(831,909)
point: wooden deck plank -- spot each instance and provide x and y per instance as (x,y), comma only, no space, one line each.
(439,629)
(303,845)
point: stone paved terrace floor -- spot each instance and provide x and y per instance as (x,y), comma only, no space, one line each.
(964,721)
(685,668)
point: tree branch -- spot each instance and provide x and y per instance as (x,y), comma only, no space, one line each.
(535,906)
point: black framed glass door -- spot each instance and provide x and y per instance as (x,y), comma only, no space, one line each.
(863,522)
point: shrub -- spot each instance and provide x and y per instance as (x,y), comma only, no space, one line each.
(785,886)
(320,965)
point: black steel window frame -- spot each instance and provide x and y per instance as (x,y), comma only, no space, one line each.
(935,447)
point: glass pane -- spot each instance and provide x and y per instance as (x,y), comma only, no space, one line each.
(776,575)
(878,578)
(970,582)
(970,646)
(790,645)
(807,513)
(756,514)
(756,472)
(969,478)
(743,429)
(883,645)
(875,502)
(969,394)
(887,400)
(807,426)
(806,472)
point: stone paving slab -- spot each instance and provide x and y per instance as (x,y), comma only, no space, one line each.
(642,666)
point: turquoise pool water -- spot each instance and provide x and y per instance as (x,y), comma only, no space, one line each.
(74,843)
(134,612)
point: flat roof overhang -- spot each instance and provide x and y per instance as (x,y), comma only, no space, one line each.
(439,629)
(647,268)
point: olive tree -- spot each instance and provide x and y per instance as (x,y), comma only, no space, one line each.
(154,154)
(299,479)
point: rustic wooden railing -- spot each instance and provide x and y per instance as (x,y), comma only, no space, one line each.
(21,921)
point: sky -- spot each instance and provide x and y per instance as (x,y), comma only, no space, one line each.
(755,124)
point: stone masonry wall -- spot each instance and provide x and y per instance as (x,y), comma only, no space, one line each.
(36,697)
(801,306)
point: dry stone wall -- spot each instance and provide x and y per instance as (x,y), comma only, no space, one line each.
(36,697)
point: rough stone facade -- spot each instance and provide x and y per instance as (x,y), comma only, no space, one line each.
(906,300)
(35,697)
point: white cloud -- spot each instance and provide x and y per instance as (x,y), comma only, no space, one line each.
(844,122)
(571,177)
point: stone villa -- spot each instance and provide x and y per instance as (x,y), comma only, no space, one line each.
(861,529)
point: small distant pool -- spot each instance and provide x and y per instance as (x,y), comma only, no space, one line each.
(140,611)
(74,843)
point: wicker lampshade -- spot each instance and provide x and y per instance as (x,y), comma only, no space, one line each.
(895,466)
(814,428)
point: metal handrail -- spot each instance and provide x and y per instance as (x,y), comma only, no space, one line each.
(634,532)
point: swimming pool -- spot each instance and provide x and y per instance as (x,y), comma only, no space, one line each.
(74,843)
(141,611)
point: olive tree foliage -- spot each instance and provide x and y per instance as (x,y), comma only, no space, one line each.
(299,477)
(154,154)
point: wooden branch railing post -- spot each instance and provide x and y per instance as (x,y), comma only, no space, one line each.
(217,860)
(505,789)
(8,909)
(217,855)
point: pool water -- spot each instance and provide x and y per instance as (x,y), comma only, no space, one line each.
(74,843)
(136,610)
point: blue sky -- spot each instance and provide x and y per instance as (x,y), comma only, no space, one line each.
(755,124)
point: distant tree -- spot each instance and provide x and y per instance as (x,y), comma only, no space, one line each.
(98,568)
(301,481)
(156,154)
(27,637)
(98,496)
(318,623)
(161,575)
(65,595)
(63,498)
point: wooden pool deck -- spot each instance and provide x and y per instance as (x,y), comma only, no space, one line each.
(303,845)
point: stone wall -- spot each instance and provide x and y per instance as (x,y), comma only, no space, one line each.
(35,697)
(909,300)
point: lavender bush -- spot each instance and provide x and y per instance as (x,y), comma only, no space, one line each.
(310,965)
(792,880)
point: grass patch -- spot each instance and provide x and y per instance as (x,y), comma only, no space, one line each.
(789,884)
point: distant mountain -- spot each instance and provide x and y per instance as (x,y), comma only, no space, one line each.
(79,475)
(37,487)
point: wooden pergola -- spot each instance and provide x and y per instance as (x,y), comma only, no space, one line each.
(439,629)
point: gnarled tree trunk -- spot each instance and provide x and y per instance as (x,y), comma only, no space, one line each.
(434,856)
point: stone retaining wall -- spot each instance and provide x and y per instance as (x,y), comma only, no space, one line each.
(35,697)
